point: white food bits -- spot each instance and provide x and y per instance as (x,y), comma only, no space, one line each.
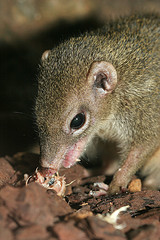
(112,218)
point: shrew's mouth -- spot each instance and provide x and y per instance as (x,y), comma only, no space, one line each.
(73,153)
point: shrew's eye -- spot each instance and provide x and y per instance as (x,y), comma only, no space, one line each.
(78,121)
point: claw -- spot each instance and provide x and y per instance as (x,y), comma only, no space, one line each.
(103,189)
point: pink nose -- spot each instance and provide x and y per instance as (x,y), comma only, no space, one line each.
(47,171)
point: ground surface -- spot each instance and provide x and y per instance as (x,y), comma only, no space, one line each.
(34,213)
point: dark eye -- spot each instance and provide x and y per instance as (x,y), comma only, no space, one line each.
(78,121)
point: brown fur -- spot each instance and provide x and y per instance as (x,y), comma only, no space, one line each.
(129,116)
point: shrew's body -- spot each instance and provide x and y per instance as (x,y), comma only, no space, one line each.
(103,85)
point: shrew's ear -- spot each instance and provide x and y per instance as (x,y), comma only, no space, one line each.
(103,77)
(45,55)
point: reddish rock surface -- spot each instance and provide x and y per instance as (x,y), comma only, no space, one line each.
(33,212)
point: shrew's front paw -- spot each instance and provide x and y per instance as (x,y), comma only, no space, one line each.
(115,188)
